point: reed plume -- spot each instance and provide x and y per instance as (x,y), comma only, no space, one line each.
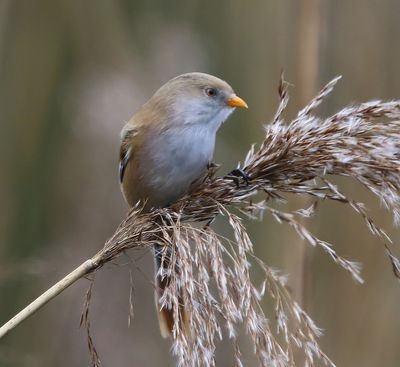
(213,272)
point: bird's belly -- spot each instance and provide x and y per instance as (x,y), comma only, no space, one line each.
(175,165)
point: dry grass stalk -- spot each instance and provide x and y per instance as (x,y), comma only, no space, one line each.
(85,322)
(213,273)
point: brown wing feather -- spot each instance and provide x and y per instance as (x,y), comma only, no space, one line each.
(125,151)
(124,157)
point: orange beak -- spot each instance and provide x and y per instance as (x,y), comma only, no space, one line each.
(236,101)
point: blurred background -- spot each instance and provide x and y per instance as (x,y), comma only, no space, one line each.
(71,73)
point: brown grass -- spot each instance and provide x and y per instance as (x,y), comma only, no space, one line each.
(213,273)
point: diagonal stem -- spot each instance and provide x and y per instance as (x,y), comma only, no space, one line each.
(82,270)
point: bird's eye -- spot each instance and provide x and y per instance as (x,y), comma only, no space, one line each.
(211,92)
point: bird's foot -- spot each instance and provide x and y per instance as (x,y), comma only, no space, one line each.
(236,174)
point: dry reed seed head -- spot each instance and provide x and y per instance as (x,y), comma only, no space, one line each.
(212,272)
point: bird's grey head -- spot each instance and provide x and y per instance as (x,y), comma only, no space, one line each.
(199,99)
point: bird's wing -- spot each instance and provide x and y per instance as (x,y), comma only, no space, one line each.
(125,157)
(126,150)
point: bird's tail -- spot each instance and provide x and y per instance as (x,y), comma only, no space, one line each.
(166,315)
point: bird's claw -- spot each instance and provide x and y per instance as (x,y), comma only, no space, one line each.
(236,174)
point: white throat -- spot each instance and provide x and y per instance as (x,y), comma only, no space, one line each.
(209,116)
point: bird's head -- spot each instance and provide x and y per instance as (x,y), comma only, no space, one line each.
(198,99)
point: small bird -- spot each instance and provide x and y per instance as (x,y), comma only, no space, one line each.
(166,148)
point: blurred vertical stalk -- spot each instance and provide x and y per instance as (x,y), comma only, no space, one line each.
(309,48)
(308,56)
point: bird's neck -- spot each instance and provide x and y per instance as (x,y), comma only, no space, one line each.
(206,119)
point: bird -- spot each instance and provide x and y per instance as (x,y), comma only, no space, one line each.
(165,150)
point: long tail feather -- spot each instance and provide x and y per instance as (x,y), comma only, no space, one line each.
(166,315)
